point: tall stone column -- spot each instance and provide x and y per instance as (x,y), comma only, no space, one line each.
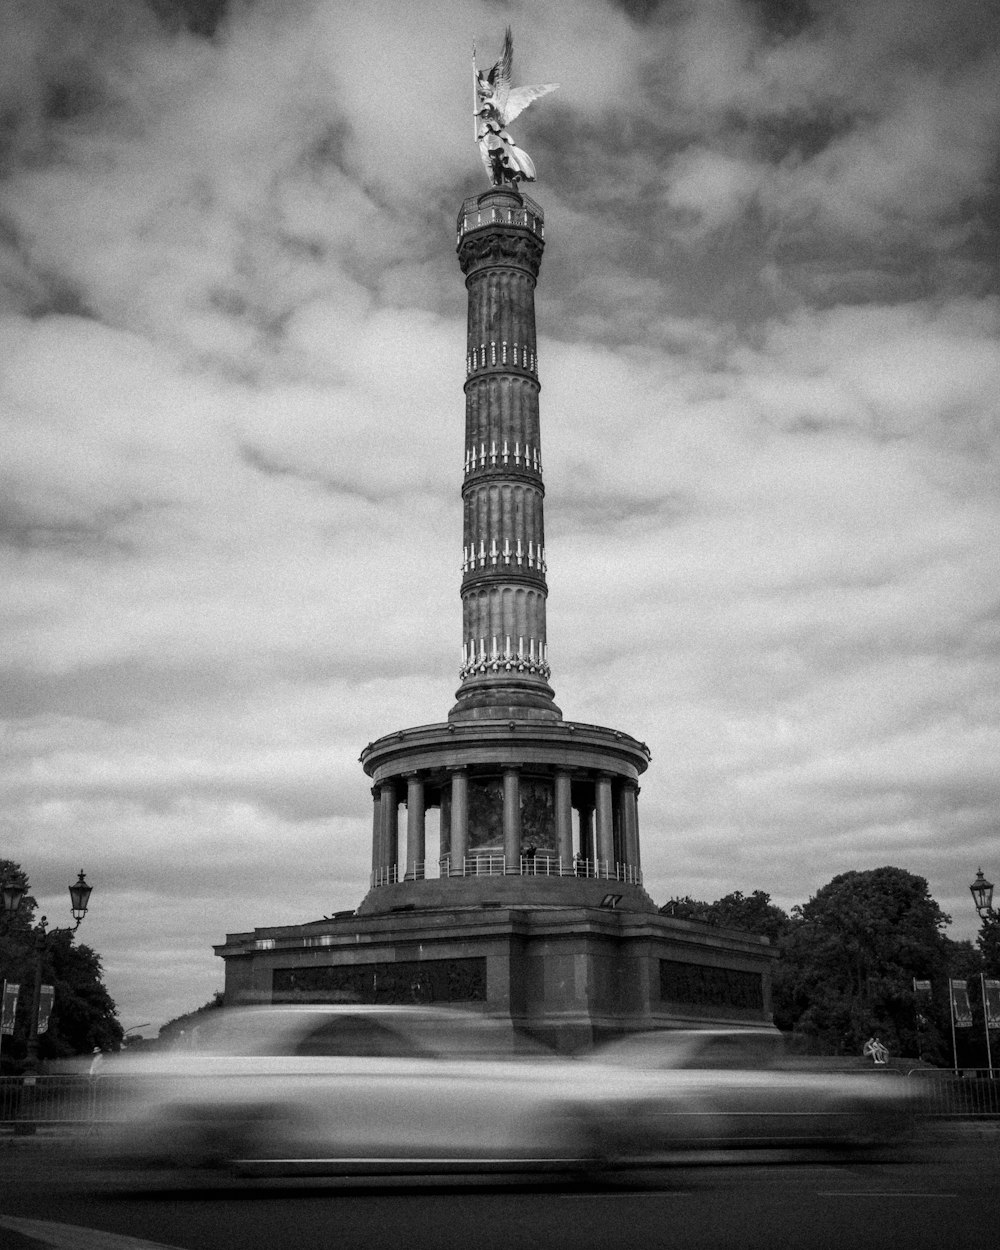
(505,667)
(415,828)
(459,820)
(605,821)
(564,816)
(512,818)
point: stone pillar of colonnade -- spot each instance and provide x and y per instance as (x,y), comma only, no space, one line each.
(604,813)
(389,851)
(630,823)
(459,820)
(564,815)
(512,818)
(376,830)
(415,827)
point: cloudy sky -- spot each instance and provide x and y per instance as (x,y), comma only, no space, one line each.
(232,340)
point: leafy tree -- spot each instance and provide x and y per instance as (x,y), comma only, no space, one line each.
(753,913)
(170,1032)
(83,1013)
(989,944)
(850,957)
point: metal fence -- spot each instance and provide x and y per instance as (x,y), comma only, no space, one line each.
(70,1101)
(61,1100)
(974,1093)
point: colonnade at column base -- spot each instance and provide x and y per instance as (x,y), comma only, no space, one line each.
(548,808)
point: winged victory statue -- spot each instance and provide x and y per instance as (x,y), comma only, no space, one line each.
(497,103)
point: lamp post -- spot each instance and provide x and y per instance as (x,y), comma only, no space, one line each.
(14,890)
(982,896)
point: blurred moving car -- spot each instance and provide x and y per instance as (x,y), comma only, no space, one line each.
(740,1090)
(338,1089)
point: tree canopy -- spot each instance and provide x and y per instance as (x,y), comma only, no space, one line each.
(850,957)
(171,1032)
(753,913)
(83,1013)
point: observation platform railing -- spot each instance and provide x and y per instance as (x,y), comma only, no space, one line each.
(489,864)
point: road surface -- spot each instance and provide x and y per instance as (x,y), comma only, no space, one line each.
(946,1199)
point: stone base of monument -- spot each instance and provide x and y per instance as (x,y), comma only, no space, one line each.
(571,976)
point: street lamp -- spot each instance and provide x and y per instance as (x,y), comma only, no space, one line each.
(79,897)
(982,894)
(14,890)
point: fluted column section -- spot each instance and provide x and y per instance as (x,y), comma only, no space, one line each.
(505,665)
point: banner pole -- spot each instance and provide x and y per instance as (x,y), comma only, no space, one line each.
(951,1013)
(986,1023)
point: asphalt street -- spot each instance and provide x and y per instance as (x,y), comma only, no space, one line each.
(945,1198)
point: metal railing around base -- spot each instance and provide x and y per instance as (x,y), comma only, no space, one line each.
(490,864)
(493,865)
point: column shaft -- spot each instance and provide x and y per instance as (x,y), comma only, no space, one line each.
(459,820)
(415,829)
(631,814)
(512,819)
(376,830)
(605,822)
(564,817)
(390,825)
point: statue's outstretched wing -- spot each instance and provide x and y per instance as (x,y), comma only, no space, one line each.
(499,75)
(520,97)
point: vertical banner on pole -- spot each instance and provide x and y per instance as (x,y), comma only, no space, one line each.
(45,1000)
(10,993)
(961,1011)
(991,996)
(922,994)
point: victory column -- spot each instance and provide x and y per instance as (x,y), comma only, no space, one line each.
(533,909)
